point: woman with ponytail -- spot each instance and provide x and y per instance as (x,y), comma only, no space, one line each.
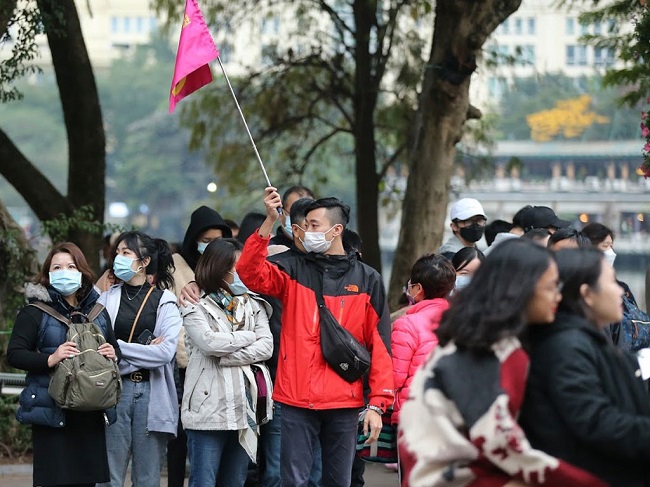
(146,322)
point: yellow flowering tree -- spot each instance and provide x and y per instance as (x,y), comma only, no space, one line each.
(569,118)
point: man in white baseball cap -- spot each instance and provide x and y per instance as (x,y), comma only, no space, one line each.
(468,225)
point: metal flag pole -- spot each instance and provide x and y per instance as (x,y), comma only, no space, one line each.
(245,124)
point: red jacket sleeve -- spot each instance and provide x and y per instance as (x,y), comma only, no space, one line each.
(256,272)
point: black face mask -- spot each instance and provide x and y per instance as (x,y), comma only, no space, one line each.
(473,233)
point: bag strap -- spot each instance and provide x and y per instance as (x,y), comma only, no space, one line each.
(52,312)
(135,322)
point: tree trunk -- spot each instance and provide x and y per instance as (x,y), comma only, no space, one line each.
(365,101)
(461,27)
(82,115)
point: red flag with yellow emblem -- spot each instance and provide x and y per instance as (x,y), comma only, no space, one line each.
(196,49)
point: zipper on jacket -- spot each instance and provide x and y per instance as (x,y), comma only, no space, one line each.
(341,310)
(189,403)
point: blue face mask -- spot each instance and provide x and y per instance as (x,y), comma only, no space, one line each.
(122,268)
(67,282)
(462,281)
(237,288)
(287,228)
(201,246)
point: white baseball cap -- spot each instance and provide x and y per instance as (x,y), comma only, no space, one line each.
(465,209)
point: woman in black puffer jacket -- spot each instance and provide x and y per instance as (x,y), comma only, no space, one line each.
(585,400)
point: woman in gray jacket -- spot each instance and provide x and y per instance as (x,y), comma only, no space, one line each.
(226,332)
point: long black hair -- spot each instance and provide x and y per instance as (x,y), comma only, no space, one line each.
(577,267)
(493,305)
(161,266)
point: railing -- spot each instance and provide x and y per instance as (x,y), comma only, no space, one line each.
(11,383)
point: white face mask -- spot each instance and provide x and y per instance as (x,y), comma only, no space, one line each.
(610,256)
(462,281)
(316,242)
(201,246)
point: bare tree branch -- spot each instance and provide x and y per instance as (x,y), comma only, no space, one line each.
(391,160)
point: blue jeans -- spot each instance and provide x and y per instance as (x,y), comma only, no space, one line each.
(216,456)
(303,429)
(270,440)
(128,438)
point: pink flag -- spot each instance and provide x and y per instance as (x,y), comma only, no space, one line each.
(196,50)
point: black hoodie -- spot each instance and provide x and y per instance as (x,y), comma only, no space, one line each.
(203,218)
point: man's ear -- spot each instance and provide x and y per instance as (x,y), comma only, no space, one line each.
(342,228)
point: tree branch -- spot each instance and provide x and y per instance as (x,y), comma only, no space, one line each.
(6,12)
(317,144)
(40,194)
(390,161)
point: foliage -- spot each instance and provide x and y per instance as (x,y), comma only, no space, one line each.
(569,118)
(527,96)
(644,169)
(16,438)
(23,25)
(82,219)
(630,45)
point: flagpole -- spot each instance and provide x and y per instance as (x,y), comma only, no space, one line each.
(245,124)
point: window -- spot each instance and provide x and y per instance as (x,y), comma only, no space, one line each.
(496,87)
(115,25)
(584,28)
(268,53)
(152,24)
(597,28)
(609,57)
(139,25)
(528,54)
(271,26)
(570,26)
(519,27)
(611,26)
(598,56)
(531,26)
(570,55)
(126,24)
(581,55)
(504,28)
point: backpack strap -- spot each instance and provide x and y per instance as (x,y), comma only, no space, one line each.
(95,312)
(51,311)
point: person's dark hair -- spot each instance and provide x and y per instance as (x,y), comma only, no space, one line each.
(495,227)
(435,274)
(79,259)
(302,191)
(568,234)
(351,241)
(464,256)
(517,220)
(249,224)
(536,234)
(597,232)
(337,211)
(161,266)
(493,304)
(231,224)
(218,258)
(577,267)
(299,210)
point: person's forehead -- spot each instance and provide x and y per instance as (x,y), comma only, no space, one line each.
(291,199)
(62,258)
(317,214)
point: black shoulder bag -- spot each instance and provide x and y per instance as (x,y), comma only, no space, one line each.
(347,357)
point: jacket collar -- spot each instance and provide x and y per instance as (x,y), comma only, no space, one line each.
(567,321)
(438,303)
(335,265)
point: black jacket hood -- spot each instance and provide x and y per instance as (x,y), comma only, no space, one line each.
(203,218)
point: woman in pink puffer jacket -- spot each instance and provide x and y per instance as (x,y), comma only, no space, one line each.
(413,338)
